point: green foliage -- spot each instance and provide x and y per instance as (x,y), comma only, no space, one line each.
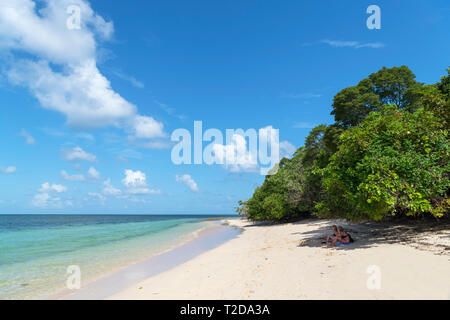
(270,201)
(353,104)
(386,154)
(395,162)
(395,86)
(295,189)
(434,100)
(387,86)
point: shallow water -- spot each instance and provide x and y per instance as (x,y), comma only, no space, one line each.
(36,250)
(114,283)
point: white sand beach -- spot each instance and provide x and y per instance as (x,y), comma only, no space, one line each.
(287,261)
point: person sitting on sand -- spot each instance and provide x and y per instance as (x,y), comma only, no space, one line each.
(335,232)
(341,237)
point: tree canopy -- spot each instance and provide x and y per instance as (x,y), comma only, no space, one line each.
(387,154)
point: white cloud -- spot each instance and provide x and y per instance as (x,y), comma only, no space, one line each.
(97,196)
(45,200)
(91,174)
(136,183)
(47,187)
(235,155)
(287,149)
(109,189)
(80,92)
(147,127)
(62,73)
(45,33)
(94,174)
(74,178)
(8,170)
(28,137)
(353,44)
(41,200)
(77,154)
(134,179)
(188,181)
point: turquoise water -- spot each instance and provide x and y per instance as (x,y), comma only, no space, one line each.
(36,250)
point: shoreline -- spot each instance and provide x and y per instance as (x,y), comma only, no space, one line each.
(287,261)
(203,239)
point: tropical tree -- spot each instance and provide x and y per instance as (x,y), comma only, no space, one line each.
(395,162)
(386,154)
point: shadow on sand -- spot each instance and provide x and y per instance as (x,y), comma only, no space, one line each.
(429,235)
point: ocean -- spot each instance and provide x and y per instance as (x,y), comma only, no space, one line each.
(37,250)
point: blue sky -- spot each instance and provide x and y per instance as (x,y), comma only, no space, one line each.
(86,115)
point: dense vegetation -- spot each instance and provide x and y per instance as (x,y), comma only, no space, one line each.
(387,154)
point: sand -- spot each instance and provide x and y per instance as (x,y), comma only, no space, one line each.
(287,261)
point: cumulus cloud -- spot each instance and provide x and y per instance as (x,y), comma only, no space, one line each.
(94,174)
(235,155)
(134,179)
(28,137)
(136,183)
(80,92)
(147,127)
(63,73)
(188,181)
(8,170)
(77,154)
(45,32)
(46,199)
(239,156)
(109,189)
(47,187)
(41,200)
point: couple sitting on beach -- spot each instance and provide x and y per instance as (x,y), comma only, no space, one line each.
(339,237)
